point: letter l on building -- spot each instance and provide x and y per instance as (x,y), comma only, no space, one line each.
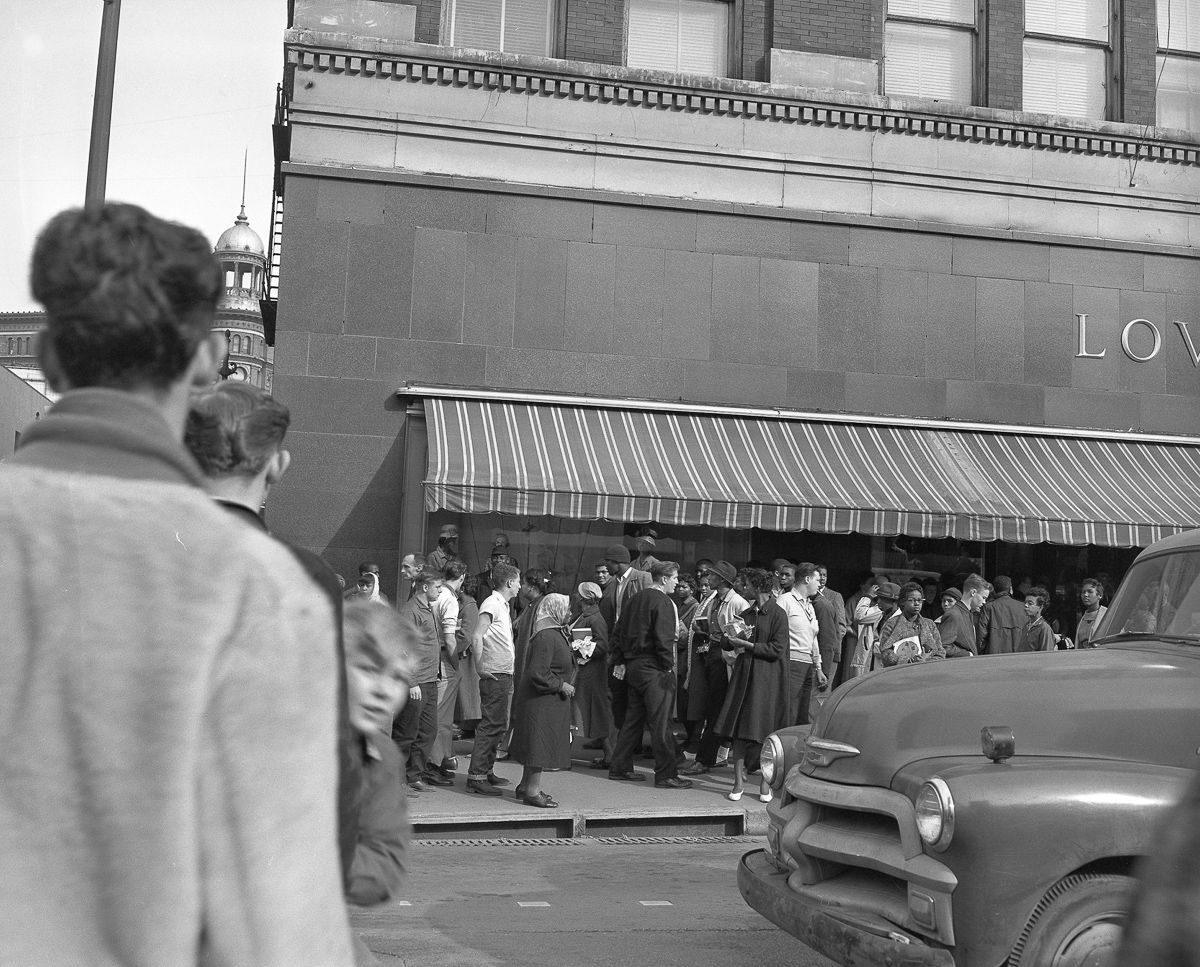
(1081,318)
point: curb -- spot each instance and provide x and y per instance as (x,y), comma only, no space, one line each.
(563,824)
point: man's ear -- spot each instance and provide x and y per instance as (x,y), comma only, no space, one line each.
(277,466)
(210,354)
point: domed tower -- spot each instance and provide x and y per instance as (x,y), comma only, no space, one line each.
(239,316)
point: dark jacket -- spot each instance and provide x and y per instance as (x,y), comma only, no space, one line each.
(957,629)
(383,828)
(646,630)
(756,703)
(427,647)
(1001,624)
(829,632)
(637,582)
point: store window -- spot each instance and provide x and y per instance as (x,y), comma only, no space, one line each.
(513,26)
(1066,55)
(929,49)
(1178,64)
(680,36)
(570,549)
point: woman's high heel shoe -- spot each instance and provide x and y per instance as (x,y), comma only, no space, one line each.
(734,796)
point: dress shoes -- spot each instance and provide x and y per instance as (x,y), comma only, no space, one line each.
(481,788)
(598,763)
(495,780)
(436,779)
(541,800)
(417,786)
(673,783)
(695,769)
(630,776)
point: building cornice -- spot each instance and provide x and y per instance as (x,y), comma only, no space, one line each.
(657,91)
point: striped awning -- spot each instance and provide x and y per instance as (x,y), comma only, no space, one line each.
(787,474)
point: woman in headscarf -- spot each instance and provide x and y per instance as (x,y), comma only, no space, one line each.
(542,737)
(590,643)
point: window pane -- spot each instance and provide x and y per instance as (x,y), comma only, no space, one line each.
(529,27)
(689,36)
(928,61)
(1183,24)
(703,37)
(1064,79)
(960,11)
(477,24)
(1179,93)
(1086,19)
(654,34)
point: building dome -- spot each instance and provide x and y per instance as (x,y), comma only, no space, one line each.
(240,237)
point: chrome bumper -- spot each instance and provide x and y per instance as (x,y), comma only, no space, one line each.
(844,936)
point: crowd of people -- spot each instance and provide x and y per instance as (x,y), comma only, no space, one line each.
(698,666)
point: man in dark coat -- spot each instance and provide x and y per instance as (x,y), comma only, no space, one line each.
(957,626)
(643,654)
(1001,621)
(829,634)
(626,582)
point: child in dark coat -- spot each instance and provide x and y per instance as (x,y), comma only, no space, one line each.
(379,666)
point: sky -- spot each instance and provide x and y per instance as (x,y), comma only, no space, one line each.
(194,90)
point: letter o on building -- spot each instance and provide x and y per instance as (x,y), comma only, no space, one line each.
(1125,340)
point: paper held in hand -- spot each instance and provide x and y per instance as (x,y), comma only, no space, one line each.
(583,644)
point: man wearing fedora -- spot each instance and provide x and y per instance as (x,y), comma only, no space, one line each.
(709,677)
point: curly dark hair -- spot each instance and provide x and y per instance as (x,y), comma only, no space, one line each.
(541,579)
(129,297)
(235,428)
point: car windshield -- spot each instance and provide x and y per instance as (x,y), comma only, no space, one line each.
(1159,596)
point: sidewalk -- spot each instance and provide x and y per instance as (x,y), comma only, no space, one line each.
(590,804)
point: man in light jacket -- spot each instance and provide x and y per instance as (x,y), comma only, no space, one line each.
(167,788)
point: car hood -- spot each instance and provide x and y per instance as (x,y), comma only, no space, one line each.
(1134,703)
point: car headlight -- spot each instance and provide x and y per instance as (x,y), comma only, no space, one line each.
(771,759)
(935,813)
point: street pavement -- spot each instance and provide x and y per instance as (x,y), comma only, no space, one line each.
(589,804)
(576,903)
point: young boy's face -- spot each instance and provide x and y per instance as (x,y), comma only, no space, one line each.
(375,691)
(1032,608)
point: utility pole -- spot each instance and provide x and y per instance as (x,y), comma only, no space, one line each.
(106,66)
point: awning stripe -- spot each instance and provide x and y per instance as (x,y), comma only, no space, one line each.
(489,456)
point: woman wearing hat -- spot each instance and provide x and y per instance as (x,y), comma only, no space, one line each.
(542,739)
(591,681)
(756,702)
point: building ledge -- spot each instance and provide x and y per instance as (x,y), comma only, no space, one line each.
(545,77)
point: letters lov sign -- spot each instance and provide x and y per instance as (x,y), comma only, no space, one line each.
(1139,326)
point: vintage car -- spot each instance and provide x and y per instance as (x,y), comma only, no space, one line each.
(983,811)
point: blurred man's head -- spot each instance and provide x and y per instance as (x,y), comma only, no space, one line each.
(130,300)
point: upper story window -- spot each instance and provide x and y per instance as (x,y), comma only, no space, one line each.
(680,36)
(513,26)
(1178,65)
(929,49)
(1066,56)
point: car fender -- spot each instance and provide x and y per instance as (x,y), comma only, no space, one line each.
(1022,825)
